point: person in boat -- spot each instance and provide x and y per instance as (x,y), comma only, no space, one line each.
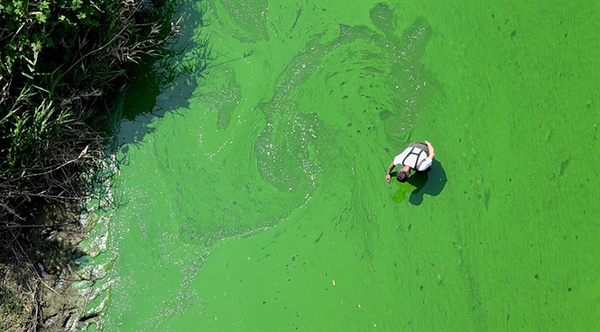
(417,156)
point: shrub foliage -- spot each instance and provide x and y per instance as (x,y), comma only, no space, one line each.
(59,60)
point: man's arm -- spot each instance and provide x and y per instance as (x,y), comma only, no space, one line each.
(388,175)
(431,151)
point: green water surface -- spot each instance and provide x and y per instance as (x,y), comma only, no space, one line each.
(257,199)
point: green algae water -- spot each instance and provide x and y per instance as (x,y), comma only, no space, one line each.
(257,199)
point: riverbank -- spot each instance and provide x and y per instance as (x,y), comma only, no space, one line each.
(38,273)
(54,111)
(62,305)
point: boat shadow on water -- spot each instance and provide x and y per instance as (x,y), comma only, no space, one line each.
(430,182)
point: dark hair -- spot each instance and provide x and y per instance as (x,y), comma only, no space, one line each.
(402,176)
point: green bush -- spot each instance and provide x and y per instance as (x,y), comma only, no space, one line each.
(58,59)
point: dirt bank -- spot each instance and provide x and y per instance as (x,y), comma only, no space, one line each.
(38,271)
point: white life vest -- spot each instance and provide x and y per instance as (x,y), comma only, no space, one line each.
(414,157)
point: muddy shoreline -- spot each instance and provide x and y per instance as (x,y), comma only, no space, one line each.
(54,252)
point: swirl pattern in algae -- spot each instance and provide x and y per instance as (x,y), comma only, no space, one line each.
(261,204)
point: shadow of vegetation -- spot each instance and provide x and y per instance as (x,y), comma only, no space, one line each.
(157,87)
(431,183)
(54,245)
(161,86)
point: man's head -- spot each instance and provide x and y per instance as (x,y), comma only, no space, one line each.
(403,175)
